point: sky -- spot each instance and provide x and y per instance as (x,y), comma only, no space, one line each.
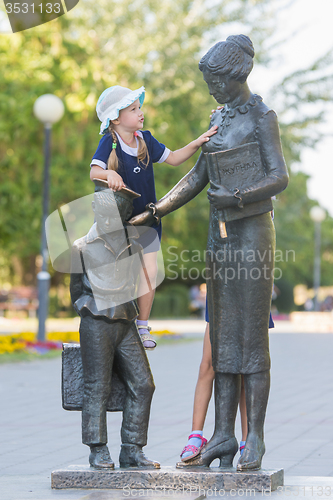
(318,38)
(312,21)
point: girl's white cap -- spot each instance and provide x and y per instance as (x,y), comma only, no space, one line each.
(112,100)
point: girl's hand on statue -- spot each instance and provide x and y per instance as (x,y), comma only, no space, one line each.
(205,137)
(115,181)
(214,110)
(220,197)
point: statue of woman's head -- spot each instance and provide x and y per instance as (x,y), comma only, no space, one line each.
(232,58)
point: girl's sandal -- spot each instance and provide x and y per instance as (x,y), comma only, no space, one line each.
(147,337)
(194,449)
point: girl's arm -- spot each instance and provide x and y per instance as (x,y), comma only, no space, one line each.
(115,181)
(175,158)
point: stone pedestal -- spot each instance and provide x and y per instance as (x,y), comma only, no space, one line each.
(162,480)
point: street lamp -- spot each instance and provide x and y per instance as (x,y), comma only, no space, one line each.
(317,214)
(48,109)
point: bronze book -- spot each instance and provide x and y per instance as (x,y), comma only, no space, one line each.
(238,168)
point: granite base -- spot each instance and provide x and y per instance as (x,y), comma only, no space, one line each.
(167,478)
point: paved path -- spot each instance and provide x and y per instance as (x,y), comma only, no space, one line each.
(37,436)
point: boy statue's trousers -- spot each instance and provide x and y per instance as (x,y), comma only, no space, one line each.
(102,345)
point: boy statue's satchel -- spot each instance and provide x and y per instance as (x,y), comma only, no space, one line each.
(238,168)
(72,382)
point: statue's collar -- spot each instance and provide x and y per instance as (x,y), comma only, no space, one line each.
(95,233)
(244,108)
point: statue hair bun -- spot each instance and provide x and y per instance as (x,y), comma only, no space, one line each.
(243,43)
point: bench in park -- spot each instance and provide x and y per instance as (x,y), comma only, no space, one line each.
(22,298)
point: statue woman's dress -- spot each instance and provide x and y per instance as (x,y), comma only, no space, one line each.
(239,303)
(240,267)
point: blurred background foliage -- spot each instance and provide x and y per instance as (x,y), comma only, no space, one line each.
(158,45)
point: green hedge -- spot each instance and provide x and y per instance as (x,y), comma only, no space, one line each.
(171,302)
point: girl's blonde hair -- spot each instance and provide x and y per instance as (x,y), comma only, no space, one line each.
(143,154)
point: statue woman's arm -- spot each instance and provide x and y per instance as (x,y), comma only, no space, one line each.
(276,179)
(186,189)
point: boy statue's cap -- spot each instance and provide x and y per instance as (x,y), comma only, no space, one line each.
(129,194)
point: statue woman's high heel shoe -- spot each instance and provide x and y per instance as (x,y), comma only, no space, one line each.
(252,455)
(225,451)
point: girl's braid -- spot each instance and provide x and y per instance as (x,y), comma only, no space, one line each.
(113,158)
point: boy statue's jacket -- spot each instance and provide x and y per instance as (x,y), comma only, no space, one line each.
(104,277)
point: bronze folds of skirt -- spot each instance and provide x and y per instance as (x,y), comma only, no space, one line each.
(240,273)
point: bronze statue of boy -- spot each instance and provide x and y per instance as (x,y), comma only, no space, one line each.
(103,279)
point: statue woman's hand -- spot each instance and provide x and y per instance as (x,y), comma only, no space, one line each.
(221,197)
(146,218)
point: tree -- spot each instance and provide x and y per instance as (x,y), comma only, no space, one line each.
(301,100)
(128,42)
(82,54)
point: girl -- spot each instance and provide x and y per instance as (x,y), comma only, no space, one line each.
(125,156)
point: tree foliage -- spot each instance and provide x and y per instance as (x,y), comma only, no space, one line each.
(134,43)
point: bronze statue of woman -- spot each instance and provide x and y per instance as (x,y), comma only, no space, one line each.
(245,167)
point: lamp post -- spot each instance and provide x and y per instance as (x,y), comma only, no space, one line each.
(48,109)
(317,214)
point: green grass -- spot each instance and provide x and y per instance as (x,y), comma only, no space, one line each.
(170,340)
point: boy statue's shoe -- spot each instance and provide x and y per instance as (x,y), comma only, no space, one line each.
(100,458)
(131,455)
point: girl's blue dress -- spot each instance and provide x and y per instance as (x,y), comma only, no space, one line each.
(136,176)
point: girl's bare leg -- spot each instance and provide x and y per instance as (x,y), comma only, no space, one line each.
(204,387)
(146,295)
(203,393)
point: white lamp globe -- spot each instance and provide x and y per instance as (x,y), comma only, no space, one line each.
(48,108)
(317,214)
